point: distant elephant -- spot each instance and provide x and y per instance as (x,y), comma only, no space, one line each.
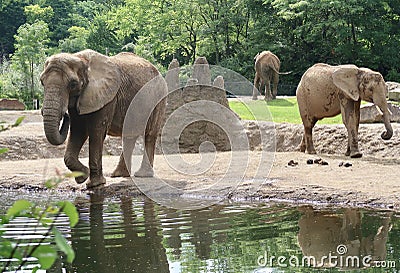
(326,91)
(96,91)
(267,67)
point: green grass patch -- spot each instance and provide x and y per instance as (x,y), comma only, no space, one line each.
(280,110)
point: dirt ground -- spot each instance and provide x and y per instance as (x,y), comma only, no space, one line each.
(372,181)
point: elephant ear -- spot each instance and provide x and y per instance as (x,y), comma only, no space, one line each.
(345,78)
(104,80)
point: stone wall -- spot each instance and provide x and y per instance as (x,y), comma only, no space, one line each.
(394,91)
(11,104)
(181,107)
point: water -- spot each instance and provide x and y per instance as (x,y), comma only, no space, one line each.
(137,235)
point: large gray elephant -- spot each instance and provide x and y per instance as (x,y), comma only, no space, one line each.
(326,91)
(93,92)
(267,67)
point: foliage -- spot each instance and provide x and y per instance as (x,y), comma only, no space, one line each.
(227,32)
(45,217)
(76,41)
(31,46)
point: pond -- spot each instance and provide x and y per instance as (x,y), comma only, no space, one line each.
(136,235)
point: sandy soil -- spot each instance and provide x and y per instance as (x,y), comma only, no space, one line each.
(372,181)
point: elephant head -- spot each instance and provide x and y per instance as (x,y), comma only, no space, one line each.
(85,81)
(366,84)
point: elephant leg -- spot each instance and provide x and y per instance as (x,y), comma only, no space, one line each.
(124,165)
(146,168)
(275,87)
(256,87)
(351,118)
(96,141)
(307,141)
(268,95)
(78,136)
(98,124)
(302,146)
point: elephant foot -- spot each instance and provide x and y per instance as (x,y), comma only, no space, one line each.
(356,154)
(120,172)
(96,182)
(254,98)
(301,148)
(144,172)
(267,98)
(81,179)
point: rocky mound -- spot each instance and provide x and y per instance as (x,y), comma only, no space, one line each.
(27,141)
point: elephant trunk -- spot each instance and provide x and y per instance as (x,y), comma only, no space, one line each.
(389,130)
(52,115)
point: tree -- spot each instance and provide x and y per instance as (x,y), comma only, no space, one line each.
(11,17)
(61,21)
(31,47)
(101,38)
(76,41)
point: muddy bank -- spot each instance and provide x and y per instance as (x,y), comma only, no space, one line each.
(372,181)
(367,183)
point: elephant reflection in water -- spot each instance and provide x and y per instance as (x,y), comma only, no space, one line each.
(202,223)
(321,233)
(133,252)
(136,243)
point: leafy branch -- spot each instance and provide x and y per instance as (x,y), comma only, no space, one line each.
(45,253)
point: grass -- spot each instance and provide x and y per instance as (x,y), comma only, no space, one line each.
(281,110)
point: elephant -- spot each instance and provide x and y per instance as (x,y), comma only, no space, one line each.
(326,91)
(348,236)
(92,92)
(267,67)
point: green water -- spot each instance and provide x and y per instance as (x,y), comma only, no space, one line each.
(137,235)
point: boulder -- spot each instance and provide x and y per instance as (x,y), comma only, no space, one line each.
(219,82)
(370,114)
(172,77)
(11,104)
(394,94)
(392,85)
(201,71)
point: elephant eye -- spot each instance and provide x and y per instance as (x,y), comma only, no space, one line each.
(73,84)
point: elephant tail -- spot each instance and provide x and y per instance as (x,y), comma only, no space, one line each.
(281,73)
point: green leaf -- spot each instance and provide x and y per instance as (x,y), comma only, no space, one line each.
(70,210)
(53,182)
(3,150)
(17,207)
(6,248)
(18,121)
(63,245)
(46,256)
(74,174)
